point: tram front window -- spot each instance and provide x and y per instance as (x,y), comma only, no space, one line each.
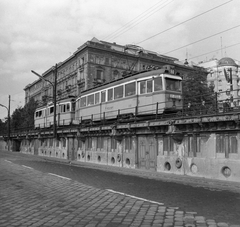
(173,85)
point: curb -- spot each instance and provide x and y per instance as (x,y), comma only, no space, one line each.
(170,177)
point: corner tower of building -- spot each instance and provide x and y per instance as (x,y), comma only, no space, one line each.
(224,76)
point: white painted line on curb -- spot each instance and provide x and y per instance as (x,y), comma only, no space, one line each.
(8,161)
(135,197)
(28,167)
(59,176)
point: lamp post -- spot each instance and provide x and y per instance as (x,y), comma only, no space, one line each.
(54,86)
(8,109)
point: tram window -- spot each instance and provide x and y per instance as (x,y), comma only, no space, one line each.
(172,85)
(68,107)
(103,96)
(36,114)
(39,113)
(149,86)
(130,89)
(118,92)
(62,108)
(97,98)
(51,109)
(158,84)
(73,106)
(90,100)
(110,94)
(83,102)
(142,87)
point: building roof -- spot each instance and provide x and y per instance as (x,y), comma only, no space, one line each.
(227,62)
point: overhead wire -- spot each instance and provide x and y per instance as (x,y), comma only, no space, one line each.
(202,39)
(212,51)
(129,25)
(130,21)
(184,21)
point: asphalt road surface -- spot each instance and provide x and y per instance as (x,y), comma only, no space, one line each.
(211,206)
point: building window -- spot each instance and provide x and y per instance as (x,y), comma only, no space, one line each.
(81,76)
(115,74)
(99,74)
(82,61)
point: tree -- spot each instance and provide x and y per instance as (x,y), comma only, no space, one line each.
(3,127)
(23,118)
(28,113)
(16,119)
(198,96)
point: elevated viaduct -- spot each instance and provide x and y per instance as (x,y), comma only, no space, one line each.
(201,146)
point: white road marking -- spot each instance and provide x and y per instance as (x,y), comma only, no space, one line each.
(59,176)
(28,167)
(135,197)
(8,161)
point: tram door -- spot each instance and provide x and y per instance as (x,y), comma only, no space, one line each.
(145,97)
(147,153)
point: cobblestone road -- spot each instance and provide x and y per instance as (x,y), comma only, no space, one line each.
(32,198)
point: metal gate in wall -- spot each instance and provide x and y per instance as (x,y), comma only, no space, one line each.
(147,153)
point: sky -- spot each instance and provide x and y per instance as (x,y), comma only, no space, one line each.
(37,34)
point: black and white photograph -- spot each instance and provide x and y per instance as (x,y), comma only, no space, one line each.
(119,113)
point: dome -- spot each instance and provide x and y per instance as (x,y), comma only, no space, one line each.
(227,62)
